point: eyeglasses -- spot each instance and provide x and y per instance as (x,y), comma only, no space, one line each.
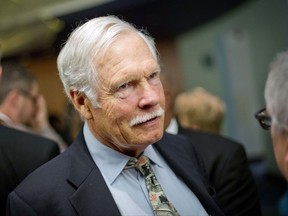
(263,118)
(28,94)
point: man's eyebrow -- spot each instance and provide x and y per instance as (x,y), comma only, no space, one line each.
(126,78)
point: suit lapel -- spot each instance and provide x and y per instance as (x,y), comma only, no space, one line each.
(91,196)
(180,159)
(183,160)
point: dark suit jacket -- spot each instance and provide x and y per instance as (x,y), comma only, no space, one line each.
(20,154)
(71,184)
(227,166)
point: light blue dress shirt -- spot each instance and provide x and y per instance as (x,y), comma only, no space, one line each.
(127,186)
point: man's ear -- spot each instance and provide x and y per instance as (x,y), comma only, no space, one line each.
(81,103)
(13,97)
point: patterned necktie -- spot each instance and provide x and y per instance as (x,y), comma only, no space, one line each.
(160,204)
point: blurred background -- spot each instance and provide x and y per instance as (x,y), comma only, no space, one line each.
(224,46)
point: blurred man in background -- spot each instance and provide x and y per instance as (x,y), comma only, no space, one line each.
(20,154)
(199,110)
(21,105)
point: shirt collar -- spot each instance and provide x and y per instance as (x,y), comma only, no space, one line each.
(173,127)
(6,120)
(152,154)
(109,161)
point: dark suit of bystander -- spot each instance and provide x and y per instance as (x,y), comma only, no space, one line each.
(20,154)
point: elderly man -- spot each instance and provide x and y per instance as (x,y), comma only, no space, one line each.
(273,117)
(120,164)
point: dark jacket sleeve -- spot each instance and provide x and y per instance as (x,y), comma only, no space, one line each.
(228,169)
(237,191)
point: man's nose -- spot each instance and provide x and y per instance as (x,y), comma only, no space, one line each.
(149,95)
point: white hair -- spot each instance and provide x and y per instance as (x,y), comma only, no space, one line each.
(276,91)
(85,46)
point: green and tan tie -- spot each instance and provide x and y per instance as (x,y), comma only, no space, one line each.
(160,204)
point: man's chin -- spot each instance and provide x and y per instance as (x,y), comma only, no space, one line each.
(150,139)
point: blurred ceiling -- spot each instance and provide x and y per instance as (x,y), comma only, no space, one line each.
(28,25)
(37,25)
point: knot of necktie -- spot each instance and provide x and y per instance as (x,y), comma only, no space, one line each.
(142,164)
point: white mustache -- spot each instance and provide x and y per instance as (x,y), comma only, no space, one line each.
(140,119)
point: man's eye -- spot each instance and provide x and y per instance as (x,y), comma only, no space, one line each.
(123,86)
(124,90)
(153,75)
(154,78)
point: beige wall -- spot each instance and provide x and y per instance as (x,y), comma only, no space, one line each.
(50,85)
(169,56)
